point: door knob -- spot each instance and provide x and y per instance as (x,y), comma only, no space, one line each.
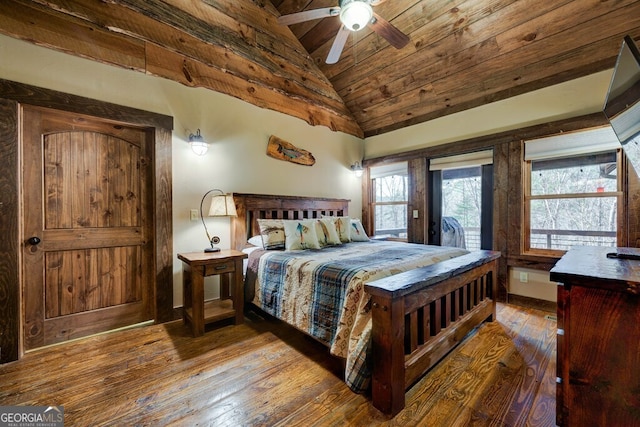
(34,240)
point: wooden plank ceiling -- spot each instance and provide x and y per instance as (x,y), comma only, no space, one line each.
(462,53)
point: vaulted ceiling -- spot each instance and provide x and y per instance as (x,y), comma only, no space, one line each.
(461,54)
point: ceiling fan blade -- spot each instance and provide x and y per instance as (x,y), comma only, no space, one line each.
(385,29)
(308,15)
(338,45)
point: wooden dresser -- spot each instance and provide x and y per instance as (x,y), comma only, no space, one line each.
(598,350)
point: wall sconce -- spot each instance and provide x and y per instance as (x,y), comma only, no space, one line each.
(357,170)
(222,204)
(198,144)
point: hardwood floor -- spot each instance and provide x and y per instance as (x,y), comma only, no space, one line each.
(266,373)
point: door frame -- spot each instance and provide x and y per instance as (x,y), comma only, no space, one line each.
(486,214)
(160,128)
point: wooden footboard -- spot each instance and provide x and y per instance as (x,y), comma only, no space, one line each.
(420,315)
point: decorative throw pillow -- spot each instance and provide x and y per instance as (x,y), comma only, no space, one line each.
(357,231)
(300,234)
(343,225)
(321,234)
(327,232)
(272,232)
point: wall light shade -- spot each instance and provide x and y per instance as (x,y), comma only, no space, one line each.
(357,170)
(356,14)
(198,144)
(222,204)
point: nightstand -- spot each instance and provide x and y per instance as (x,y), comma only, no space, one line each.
(198,265)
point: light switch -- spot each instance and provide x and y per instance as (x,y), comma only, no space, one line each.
(415,214)
(193,215)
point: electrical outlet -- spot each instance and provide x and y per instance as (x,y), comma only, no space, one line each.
(193,214)
(524,277)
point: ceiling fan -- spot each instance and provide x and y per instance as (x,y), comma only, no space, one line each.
(354,15)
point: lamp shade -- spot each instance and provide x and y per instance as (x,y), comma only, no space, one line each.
(223,205)
(356,14)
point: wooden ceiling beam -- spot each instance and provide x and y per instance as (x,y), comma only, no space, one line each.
(171,65)
(51,30)
(222,51)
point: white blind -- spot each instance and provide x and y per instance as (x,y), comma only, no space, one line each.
(388,170)
(596,140)
(477,158)
(626,123)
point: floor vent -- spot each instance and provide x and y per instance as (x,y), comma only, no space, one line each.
(551,317)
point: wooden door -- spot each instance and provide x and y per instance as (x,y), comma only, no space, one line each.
(86,213)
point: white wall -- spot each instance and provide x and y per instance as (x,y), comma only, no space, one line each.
(531,283)
(238,133)
(571,99)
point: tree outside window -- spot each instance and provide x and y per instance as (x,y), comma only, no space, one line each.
(572,201)
(390,206)
(462,200)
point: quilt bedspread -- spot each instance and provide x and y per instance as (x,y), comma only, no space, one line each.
(321,292)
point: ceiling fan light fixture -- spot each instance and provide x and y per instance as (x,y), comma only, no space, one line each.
(356,14)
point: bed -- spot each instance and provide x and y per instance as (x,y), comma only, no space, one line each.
(406,309)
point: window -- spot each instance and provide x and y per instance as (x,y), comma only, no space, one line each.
(390,186)
(461,200)
(571,200)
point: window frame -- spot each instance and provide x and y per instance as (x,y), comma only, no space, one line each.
(528,198)
(375,203)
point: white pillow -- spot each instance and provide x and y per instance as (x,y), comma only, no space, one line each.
(250,249)
(300,234)
(256,241)
(357,231)
(327,232)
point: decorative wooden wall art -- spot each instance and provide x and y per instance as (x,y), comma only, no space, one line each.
(283,150)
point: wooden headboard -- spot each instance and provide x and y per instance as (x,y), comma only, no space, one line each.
(251,207)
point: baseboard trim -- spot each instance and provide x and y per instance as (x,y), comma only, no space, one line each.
(528,302)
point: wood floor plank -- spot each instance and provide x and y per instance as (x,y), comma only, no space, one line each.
(543,409)
(266,373)
(536,342)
